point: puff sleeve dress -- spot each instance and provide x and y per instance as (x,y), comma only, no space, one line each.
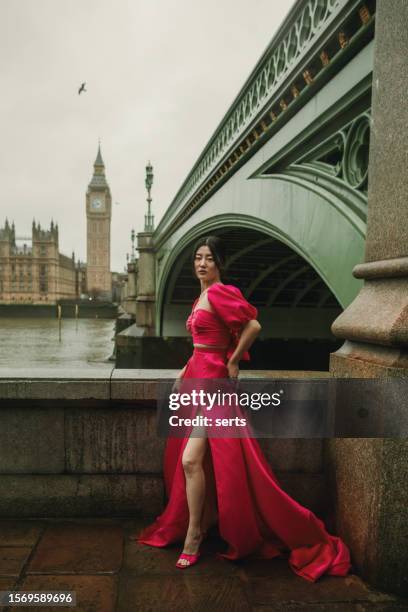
(222,325)
(255,515)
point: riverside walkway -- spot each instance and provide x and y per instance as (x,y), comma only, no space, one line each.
(100,560)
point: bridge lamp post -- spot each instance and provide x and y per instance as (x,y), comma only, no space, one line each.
(149,221)
(132,237)
(146,266)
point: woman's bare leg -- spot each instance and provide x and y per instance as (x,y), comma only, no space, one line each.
(210,512)
(192,460)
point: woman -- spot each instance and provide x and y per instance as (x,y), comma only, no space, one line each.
(228,479)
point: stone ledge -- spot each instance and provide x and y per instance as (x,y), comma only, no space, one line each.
(83,495)
(66,495)
(378,315)
(106,384)
(385,268)
(58,374)
(359,360)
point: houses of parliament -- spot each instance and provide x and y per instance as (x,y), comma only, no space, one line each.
(32,270)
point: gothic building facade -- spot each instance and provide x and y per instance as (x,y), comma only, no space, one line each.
(32,270)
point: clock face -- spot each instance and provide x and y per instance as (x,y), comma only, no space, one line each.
(96,204)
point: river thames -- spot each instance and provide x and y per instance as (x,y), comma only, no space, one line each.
(34,342)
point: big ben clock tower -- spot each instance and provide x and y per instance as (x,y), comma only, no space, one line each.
(98,216)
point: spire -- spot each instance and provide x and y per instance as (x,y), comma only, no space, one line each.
(98,180)
(99,160)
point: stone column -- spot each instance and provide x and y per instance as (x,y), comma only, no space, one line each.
(129,303)
(371,475)
(131,268)
(145,301)
(124,292)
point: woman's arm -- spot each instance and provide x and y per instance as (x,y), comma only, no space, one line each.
(248,335)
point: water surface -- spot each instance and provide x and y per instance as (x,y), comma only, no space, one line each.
(34,342)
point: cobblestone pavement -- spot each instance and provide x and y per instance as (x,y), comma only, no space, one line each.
(100,560)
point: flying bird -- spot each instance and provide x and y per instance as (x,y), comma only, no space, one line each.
(82,88)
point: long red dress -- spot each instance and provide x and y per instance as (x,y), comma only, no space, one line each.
(255,516)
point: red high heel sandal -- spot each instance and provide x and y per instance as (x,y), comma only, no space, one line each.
(192,560)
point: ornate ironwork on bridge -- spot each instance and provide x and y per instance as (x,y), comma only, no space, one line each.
(316,40)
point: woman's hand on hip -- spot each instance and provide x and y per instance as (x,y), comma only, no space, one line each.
(233,369)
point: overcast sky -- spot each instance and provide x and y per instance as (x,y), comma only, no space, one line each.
(160,76)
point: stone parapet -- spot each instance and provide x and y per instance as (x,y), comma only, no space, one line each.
(80,443)
(105,383)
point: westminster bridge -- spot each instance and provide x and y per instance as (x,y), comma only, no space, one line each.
(305,179)
(283,179)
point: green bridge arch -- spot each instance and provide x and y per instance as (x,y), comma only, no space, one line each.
(316,223)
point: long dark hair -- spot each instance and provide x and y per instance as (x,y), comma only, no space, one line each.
(217,248)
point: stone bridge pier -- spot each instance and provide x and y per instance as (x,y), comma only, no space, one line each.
(145,292)
(371,475)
